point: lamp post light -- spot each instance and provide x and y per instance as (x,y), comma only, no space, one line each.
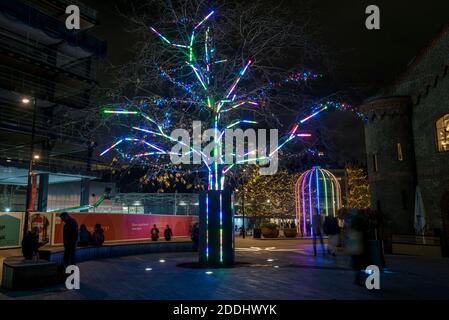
(30,164)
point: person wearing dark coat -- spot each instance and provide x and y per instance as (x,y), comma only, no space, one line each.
(154,233)
(195,236)
(70,236)
(98,236)
(168,233)
(317,231)
(332,230)
(31,244)
(85,237)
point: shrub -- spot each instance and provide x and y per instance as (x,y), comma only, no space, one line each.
(269,225)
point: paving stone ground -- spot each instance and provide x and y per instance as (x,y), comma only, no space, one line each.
(294,273)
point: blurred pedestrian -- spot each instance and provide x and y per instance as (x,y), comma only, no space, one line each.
(356,245)
(168,233)
(154,233)
(317,231)
(70,238)
(332,230)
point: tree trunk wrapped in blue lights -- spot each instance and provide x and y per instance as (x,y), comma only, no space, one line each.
(216,243)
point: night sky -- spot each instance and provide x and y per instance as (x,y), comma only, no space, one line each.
(365,60)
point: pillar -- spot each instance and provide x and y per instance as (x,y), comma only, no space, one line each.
(84,194)
(42,192)
(216,219)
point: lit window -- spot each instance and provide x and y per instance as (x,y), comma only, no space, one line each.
(400,156)
(375,165)
(443,133)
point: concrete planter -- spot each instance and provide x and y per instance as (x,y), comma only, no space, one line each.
(290,233)
(270,233)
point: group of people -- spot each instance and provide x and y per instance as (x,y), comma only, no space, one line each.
(96,238)
(168,233)
(354,241)
(72,237)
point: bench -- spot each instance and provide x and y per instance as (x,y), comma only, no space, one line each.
(19,274)
(117,250)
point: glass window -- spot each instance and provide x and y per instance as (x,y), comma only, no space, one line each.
(375,164)
(443,133)
(400,156)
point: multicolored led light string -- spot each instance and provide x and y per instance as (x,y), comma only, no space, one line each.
(203,97)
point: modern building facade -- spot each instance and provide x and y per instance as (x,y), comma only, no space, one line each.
(407,144)
(44,62)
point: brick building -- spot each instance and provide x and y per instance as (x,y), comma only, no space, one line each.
(407,143)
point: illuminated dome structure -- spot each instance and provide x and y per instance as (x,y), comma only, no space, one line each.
(317,190)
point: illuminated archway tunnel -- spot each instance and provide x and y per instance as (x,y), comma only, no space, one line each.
(317,190)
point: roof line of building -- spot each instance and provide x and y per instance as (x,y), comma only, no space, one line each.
(420,56)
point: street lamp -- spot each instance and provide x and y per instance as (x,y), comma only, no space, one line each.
(30,165)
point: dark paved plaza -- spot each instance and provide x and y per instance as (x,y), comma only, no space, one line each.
(266,269)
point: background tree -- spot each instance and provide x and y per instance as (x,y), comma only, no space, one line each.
(358,188)
(270,196)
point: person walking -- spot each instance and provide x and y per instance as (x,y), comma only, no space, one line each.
(168,233)
(332,230)
(356,245)
(317,232)
(154,233)
(70,238)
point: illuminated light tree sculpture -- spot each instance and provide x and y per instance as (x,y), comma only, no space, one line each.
(203,88)
(317,191)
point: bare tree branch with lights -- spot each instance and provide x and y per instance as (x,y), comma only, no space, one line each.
(227,64)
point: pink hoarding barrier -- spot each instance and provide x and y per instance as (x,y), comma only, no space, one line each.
(127,227)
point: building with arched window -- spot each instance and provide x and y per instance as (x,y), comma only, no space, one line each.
(407,145)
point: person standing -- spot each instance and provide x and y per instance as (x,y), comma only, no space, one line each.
(154,233)
(317,231)
(70,236)
(168,233)
(195,236)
